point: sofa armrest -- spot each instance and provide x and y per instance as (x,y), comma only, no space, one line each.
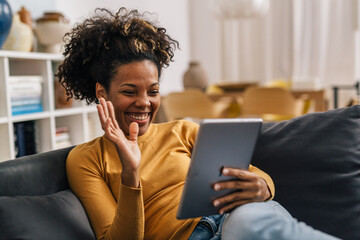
(37,174)
(36,202)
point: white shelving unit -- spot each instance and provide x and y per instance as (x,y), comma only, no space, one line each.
(81,119)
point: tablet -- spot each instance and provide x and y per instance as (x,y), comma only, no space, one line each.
(219,143)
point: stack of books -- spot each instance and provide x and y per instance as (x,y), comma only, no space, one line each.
(26,138)
(62,137)
(25,94)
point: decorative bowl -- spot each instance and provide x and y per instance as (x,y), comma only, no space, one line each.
(50,30)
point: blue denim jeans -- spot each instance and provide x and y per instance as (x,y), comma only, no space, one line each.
(208,228)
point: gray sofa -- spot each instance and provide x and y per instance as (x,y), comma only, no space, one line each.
(314,161)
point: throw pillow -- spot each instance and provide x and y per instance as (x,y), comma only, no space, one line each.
(56,216)
(314,161)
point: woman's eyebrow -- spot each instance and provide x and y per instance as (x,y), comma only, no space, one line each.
(133,85)
(154,84)
(128,85)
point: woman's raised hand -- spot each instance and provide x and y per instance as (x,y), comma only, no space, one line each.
(247,186)
(128,149)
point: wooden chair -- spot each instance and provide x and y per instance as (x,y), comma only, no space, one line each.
(271,103)
(195,104)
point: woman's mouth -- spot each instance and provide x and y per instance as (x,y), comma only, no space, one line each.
(138,117)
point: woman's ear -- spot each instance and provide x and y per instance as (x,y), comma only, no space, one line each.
(100,91)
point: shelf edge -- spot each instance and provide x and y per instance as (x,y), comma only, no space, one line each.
(31,55)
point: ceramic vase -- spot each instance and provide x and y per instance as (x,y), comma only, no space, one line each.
(25,16)
(50,30)
(61,100)
(5,21)
(195,76)
(21,36)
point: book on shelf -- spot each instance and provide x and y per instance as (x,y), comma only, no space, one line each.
(62,138)
(25,94)
(25,109)
(26,137)
(27,89)
(29,100)
(25,78)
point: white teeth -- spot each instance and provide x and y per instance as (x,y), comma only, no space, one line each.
(138,116)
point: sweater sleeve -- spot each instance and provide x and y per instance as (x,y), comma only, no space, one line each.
(267,179)
(129,217)
(109,219)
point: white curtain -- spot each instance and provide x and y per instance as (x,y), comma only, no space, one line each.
(308,42)
(243,48)
(324,42)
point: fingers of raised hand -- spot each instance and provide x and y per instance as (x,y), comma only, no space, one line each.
(103,104)
(102,117)
(111,111)
(109,127)
(113,133)
(105,111)
(102,112)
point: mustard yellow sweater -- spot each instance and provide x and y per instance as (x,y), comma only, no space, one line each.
(119,212)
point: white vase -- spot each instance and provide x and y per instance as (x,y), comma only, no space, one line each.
(20,37)
(195,76)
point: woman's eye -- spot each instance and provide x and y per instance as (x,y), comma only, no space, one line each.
(154,92)
(129,92)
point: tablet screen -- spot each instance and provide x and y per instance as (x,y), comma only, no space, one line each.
(219,143)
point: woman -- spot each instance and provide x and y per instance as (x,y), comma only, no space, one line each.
(130,180)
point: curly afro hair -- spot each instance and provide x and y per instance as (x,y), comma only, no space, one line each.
(95,48)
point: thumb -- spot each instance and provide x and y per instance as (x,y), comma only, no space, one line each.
(133,131)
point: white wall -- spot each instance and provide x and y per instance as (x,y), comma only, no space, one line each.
(173,15)
(36,7)
(205,42)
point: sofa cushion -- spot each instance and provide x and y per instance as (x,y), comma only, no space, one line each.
(55,216)
(314,161)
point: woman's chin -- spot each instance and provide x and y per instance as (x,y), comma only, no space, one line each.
(143,128)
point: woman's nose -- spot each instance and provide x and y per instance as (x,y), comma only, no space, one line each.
(142,101)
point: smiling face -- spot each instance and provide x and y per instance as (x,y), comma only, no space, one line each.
(134,92)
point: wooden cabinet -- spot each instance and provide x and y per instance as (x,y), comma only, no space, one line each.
(81,119)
